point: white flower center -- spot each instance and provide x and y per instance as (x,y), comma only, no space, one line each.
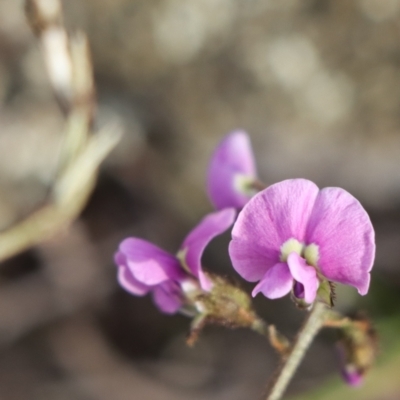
(243,184)
(310,252)
(290,246)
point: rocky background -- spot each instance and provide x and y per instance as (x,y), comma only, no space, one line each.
(316,83)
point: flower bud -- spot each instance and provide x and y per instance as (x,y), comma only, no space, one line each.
(358,350)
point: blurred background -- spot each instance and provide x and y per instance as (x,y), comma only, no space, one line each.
(316,83)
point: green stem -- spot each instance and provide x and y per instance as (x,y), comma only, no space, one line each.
(312,325)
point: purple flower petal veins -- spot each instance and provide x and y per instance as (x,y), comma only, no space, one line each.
(231,171)
(144,267)
(313,232)
(341,227)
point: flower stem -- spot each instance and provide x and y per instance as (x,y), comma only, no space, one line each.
(312,325)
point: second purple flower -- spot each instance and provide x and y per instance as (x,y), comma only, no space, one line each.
(144,267)
(232,172)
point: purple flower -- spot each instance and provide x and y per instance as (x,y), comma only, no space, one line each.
(357,350)
(292,235)
(351,374)
(231,172)
(352,377)
(144,267)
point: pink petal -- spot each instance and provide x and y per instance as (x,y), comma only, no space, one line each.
(130,284)
(119,259)
(277,282)
(148,263)
(278,213)
(342,230)
(304,274)
(209,227)
(233,156)
(250,258)
(167,298)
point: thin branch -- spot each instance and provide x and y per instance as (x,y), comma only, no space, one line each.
(285,372)
(70,72)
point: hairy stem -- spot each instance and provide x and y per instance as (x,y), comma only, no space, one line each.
(314,322)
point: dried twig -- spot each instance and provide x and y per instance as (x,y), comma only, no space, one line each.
(70,72)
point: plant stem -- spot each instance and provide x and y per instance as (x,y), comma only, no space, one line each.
(285,372)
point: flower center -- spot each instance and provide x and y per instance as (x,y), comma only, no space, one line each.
(243,184)
(310,252)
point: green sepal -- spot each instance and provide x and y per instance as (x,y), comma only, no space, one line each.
(326,293)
